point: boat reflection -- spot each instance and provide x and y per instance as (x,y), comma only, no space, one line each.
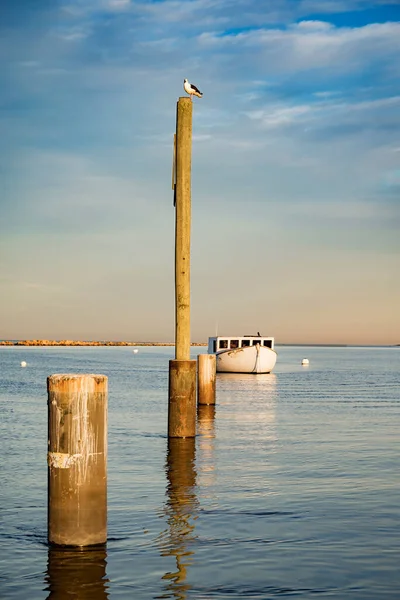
(76,573)
(251,403)
(250,380)
(180,509)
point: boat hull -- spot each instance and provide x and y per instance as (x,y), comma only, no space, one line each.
(251,359)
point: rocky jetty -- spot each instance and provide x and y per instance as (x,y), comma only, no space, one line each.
(85,343)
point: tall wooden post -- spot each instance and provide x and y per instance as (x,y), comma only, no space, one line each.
(183,211)
(77,460)
(182,370)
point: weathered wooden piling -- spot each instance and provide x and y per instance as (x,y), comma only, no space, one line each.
(182,398)
(206,377)
(77,459)
(182,370)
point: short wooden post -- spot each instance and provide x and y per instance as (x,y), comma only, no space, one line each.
(77,459)
(182,370)
(206,376)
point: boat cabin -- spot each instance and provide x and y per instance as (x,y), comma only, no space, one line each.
(217,344)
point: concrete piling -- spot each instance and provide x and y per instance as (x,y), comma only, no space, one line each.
(206,378)
(77,459)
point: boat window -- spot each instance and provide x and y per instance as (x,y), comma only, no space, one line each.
(268,343)
(214,345)
(256,342)
(234,343)
(245,343)
(223,344)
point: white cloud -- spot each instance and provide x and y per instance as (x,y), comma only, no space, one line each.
(72,36)
(276,116)
(326,209)
(118,4)
(29,64)
(201,137)
(303,47)
(313,26)
(326,94)
(328,111)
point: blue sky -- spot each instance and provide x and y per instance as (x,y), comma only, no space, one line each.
(295,178)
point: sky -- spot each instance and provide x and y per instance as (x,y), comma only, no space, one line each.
(295,168)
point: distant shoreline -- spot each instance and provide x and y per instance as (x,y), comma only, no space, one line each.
(113,343)
(86,343)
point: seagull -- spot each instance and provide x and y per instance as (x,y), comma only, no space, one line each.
(191,89)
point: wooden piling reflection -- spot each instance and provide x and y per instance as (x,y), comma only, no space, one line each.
(77,573)
(181,507)
(206,444)
(206,420)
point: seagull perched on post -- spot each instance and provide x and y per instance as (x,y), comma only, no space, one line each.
(191,89)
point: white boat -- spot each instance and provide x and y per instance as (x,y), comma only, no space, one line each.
(246,354)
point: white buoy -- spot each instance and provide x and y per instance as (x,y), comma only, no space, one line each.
(305,361)
(23,363)
(135,351)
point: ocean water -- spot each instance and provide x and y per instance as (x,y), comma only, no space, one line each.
(291,487)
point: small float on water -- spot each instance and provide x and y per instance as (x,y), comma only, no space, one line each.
(245,354)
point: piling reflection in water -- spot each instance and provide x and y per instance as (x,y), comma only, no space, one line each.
(75,573)
(206,444)
(181,510)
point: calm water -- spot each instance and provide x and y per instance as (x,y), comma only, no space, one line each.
(291,487)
